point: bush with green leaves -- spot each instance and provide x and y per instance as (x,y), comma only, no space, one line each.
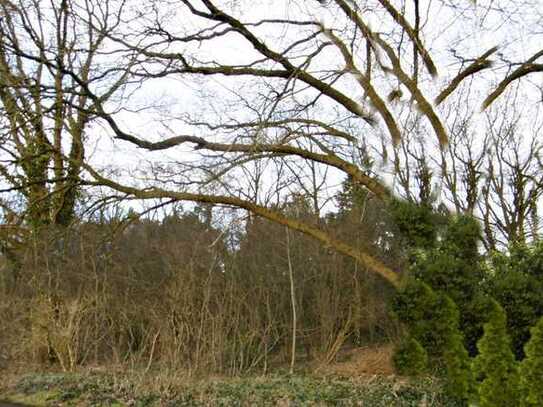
(432,320)
(444,254)
(459,384)
(427,315)
(517,284)
(410,358)
(413,306)
(418,224)
(458,381)
(454,268)
(495,368)
(451,354)
(444,324)
(531,369)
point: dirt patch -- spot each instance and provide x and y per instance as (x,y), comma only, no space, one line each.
(365,361)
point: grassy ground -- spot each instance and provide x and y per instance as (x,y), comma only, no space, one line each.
(101,389)
(360,377)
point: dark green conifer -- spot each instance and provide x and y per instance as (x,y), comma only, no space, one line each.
(495,368)
(459,383)
(531,369)
(410,358)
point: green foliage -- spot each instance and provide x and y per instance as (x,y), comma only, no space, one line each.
(412,303)
(410,359)
(444,324)
(462,237)
(459,383)
(428,316)
(495,368)
(418,224)
(520,296)
(433,321)
(460,274)
(531,369)
(517,285)
(102,389)
(445,272)
(527,258)
(448,343)
(454,268)
(473,316)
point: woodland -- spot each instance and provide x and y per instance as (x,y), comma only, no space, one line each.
(240,188)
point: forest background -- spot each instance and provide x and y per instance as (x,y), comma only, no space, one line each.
(233,187)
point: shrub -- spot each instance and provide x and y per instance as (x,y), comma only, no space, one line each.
(462,237)
(430,318)
(473,316)
(448,346)
(413,303)
(433,323)
(450,265)
(495,368)
(531,369)
(459,384)
(444,328)
(517,285)
(410,359)
(418,224)
(454,268)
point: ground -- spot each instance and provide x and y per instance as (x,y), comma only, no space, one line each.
(363,378)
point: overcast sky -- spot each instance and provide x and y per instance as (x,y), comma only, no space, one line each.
(451,30)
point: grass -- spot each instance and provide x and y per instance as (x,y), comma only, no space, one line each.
(63,389)
(101,389)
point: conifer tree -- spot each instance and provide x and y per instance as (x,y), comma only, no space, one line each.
(433,322)
(414,306)
(531,369)
(410,359)
(495,368)
(459,383)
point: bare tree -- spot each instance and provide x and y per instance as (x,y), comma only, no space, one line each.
(305,85)
(492,173)
(513,185)
(46,113)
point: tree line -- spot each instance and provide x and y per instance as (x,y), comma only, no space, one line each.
(337,169)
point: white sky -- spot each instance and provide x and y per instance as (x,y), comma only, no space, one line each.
(469,32)
(447,25)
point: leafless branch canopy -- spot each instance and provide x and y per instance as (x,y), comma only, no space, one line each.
(300,88)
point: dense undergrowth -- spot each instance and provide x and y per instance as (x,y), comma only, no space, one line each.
(179,294)
(272,390)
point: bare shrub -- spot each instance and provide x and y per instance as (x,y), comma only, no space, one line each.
(170,294)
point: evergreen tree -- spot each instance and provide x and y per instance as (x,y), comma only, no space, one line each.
(495,368)
(410,358)
(454,268)
(531,369)
(517,283)
(418,224)
(459,383)
(444,325)
(433,321)
(443,253)
(413,306)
